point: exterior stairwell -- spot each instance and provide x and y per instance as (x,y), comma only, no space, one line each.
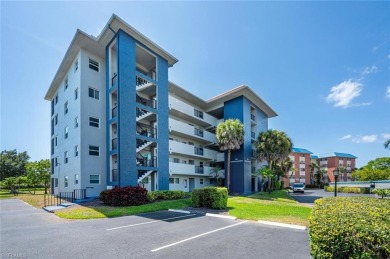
(142,114)
(143,175)
(143,145)
(142,84)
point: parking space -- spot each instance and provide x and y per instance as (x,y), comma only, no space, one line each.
(154,235)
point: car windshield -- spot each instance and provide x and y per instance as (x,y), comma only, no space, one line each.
(298,184)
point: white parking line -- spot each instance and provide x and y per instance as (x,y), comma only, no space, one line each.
(185,240)
(149,222)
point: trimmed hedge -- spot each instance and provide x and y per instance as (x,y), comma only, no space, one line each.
(353,227)
(124,196)
(165,195)
(210,197)
(364,190)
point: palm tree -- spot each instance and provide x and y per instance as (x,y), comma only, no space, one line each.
(230,136)
(387,144)
(313,167)
(282,168)
(273,146)
(320,177)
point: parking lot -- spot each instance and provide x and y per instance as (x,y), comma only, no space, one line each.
(32,233)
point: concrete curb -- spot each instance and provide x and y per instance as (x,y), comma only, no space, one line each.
(281,225)
(220,216)
(180,211)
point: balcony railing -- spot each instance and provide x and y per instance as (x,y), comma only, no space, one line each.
(114,79)
(114,143)
(114,175)
(146,102)
(199,169)
(198,151)
(139,81)
(114,112)
(253,117)
(147,161)
(147,132)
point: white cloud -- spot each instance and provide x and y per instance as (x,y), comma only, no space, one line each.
(388,92)
(369,138)
(346,137)
(342,94)
(365,139)
(369,70)
(386,135)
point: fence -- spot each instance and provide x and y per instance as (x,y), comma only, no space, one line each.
(62,197)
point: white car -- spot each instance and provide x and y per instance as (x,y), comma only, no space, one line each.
(298,187)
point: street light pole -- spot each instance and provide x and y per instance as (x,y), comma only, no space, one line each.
(336,175)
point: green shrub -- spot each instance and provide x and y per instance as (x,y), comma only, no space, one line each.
(124,196)
(381,192)
(165,195)
(311,186)
(210,197)
(353,227)
(364,190)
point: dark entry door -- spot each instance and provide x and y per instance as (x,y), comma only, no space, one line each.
(192,184)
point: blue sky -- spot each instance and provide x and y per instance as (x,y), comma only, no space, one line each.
(324,67)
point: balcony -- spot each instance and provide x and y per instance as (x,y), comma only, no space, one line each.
(114,144)
(220,157)
(114,80)
(253,117)
(188,112)
(253,135)
(186,169)
(190,150)
(187,131)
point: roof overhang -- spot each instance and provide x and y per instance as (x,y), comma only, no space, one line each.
(97,45)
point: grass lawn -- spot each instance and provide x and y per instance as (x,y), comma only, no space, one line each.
(278,207)
(102,211)
(35,200)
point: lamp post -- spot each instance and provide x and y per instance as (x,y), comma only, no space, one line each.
(336,175)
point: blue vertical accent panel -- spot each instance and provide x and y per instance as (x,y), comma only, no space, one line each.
(261,120)
(233,109)
(128,174)
(247,146)
(108,160)
(162,125)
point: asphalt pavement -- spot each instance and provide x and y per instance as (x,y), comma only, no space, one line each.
(27,232)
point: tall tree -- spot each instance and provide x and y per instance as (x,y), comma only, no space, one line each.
(12,163)
(313,167)
(377,169)
(230,136)
(273,146)
(38,173)
(281,169)
(217,174)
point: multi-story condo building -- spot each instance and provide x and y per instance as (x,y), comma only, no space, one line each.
(116,120)
(301,169)
(334,160)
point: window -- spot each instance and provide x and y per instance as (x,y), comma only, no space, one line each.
(177,180)
(76,179)
(76,93)
(56,119)
(65,181)
(52,126)
(76,150)
(66,157)
(56,161)
(52,107)
(66,83)
(191,162)
(93,122)
(66,108)
(93,150)
(94,179)
(201,181)
(56,99)
(76,122)
(198,114)
(56,140)
(176,160)
(94,65)
(171,180)
(93,93)
(66,132)
(76,65)
(56,182)
(198,132)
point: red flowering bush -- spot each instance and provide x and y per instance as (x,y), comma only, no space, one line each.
(124,196)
